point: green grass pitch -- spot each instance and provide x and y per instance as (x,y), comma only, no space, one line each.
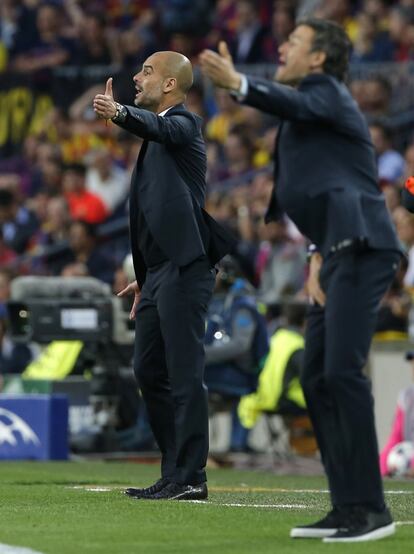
(48,507)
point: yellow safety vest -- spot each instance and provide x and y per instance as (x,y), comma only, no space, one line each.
(56,361)
(270,387)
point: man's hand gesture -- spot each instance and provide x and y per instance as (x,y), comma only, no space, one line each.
(220,68)
(104,105)
(134,289)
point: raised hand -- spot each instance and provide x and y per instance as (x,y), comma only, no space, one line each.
(132,288)
(104,105)
(220,67)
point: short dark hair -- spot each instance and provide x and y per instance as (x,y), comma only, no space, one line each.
(331,39)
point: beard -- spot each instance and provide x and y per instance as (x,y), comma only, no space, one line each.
(146,103)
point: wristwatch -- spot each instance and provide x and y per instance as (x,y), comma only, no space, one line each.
(120,114)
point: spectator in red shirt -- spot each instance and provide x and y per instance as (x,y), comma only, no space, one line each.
(6,254)
(83,205)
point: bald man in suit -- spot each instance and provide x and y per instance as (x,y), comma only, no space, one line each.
(175,245)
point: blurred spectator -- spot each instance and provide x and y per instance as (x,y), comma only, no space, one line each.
(120,281)
(224,23)
(401,28)
(14,357)
(17,223)
(392,322)
(409,161)
(6,276)
(136,45)
(280,263)
(7,255)
(195,102)
(106,180)
(83,250)
(185,44)
(186,16)
(55,227)
(8,26)
(47,47)
(229,114)
(236,342)
(283,23)
(378,9)
(75,269)
(392,197)
(404,223)
(238,153)
(371,45)
(83,204)
(95,46)
(391,164)
(402,428)
(279,389)
(373,96)
(249,43)
(339,11)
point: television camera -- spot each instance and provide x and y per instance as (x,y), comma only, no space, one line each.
(46,309)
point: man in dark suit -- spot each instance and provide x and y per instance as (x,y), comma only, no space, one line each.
(326,181)
(174,245)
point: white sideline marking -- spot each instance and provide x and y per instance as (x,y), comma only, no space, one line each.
(404,523)
(237,505)
(10,549)
(91,489)
(98,488)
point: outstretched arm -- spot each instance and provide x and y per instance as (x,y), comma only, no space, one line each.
(174,130)
(319,103)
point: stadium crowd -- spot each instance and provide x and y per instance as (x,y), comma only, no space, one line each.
(64,175)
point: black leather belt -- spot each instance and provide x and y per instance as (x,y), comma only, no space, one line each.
(349,244)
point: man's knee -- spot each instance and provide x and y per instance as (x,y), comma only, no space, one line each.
(338,382)
(193,387)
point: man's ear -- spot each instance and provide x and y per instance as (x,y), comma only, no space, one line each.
(170,84)
(318,59)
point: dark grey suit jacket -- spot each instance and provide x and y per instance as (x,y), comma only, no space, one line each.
(168,184)
(325,169)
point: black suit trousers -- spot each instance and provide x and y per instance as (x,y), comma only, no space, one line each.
(169,364)
(337,393)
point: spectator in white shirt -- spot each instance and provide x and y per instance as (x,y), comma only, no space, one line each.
(107,180)
(391,165)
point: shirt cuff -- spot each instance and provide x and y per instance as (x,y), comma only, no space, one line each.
(243,90)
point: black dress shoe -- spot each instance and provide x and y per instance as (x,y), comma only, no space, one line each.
(174,491)
(325,527)
(148,491)
(364,525)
